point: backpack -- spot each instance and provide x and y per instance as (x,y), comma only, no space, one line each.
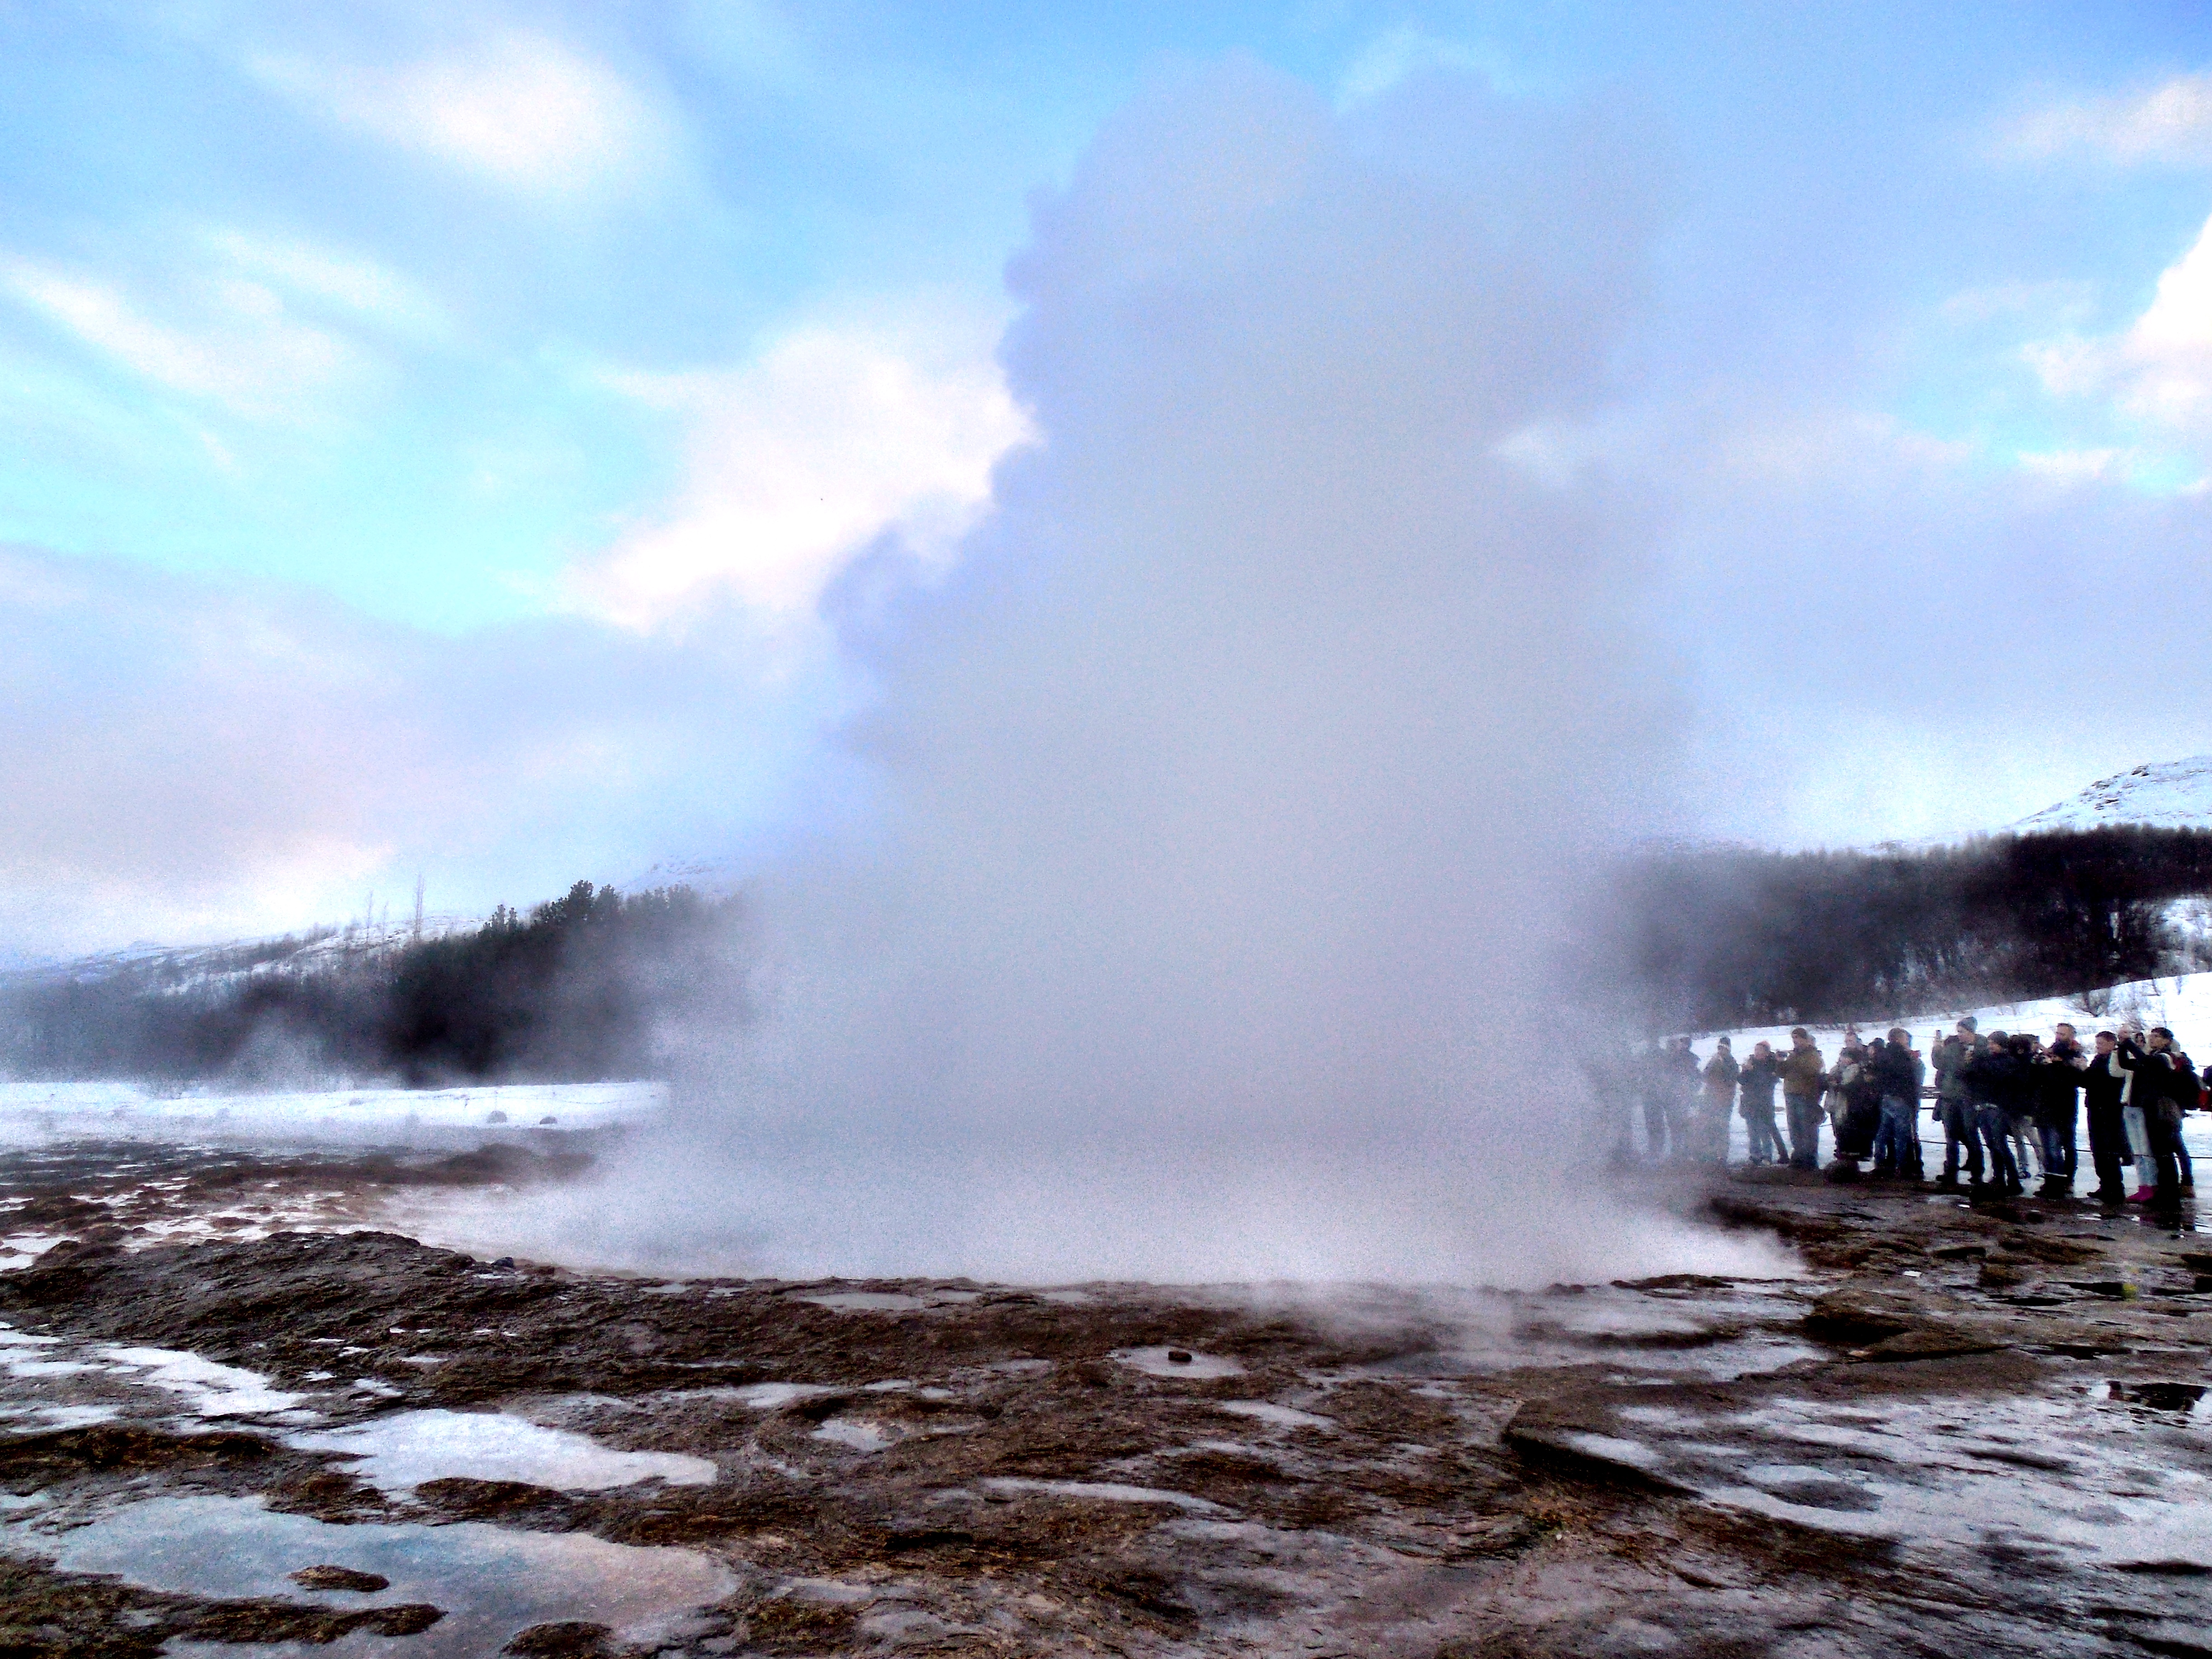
(2189,1085)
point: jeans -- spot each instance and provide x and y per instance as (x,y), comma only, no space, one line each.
(1765,1145)
(1894,1142)
(1654,1130)
(2108,1145)
(2165,1149)
(1996,1132)
(1958,1135)
(2132,1118)
(2057,1127)
(1805,1118)
(2026,1154)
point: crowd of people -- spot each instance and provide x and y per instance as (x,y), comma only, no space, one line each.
(2011,1106)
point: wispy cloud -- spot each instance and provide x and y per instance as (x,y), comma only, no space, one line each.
(800,460)
(223,337)
(350,283)
(2171,122)
(1405,51)
(517,107)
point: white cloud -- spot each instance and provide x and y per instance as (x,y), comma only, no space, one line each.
(800,460)
(1406,51)
(2160,369)
(2171,122)
(2077,466)
(517,107)
(224,336)
(350,281)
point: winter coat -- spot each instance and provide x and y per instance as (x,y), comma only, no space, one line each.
(1804,1073)
(1862,1089)
(1951,1057)
(1997,1077)
(1721,1072)
(2158,1080)
(1893,1069)
(2059,1074)
(2107,1083)
(1758,1079)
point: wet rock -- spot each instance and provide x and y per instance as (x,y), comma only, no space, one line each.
(564,1639)
(57,1615)
(1857,1315)
(466,1498)
(1932,1341)
(328,1577)
(1956,1252)
(30,1460)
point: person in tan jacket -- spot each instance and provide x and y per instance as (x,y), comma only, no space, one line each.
(1803,1077)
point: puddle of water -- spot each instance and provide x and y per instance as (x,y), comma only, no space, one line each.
(766,1396)
(1283,1417)
(213,1390)
(1156,1361)
(2091,1473)
(490,1581)
(400,1452)
(61,1417)
(858,1434)
(867,1301)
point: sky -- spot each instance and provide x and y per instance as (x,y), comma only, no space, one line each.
(496,443)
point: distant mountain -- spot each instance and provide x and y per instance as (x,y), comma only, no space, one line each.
(2167,794)
(709,878)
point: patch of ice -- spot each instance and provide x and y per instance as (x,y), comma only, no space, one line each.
(63,1417)
(401,1451)
(1105,1492)
(867,1301)
(215,1390)
(1283,1417)
(770,1396)
(1155,1362)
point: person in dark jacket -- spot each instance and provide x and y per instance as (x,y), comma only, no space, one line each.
(1951,1108)
(2105,1084)
(1994,1081)
(1894,1073)
(1757,1081)
(2058,1071)
(1862,1115)
(2164,1093)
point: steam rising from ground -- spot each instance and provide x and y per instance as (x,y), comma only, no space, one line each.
(1240,786)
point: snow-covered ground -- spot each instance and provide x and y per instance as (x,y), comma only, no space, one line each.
(2182,1003)
(2167,794)
(33,1113)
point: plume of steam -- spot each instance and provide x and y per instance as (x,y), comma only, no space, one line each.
(1241,785)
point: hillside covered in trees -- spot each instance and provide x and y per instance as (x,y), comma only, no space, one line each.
(589,987)
(1708,937)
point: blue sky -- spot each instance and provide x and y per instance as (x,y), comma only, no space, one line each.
(639,328)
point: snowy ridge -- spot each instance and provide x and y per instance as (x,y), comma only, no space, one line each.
(2167,794)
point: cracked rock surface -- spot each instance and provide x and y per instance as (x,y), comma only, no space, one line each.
(1960,1432)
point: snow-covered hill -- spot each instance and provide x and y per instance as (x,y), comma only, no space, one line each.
(2169,794)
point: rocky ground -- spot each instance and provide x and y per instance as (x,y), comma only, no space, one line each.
(223,1421)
